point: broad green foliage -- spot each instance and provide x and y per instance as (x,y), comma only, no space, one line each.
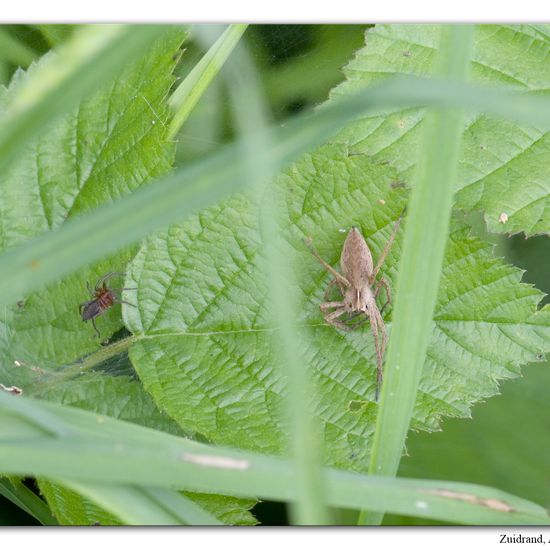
(117,396)
(230,510)
(202,292)
(203,339)
(111,144)
(502,166)
(71,509)
(204,342)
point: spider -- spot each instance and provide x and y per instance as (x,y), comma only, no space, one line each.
(359,288)
(102,299)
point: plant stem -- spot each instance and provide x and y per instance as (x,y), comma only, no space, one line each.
(86,364)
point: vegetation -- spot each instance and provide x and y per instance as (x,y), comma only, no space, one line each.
(196,162)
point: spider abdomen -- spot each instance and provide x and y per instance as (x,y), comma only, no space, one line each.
(102,299)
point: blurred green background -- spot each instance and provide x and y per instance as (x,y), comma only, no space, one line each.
(298,65)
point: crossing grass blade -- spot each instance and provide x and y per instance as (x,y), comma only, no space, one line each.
(94,449)
(426,233)
(15,491)
(188,93)
(303,443)
(78,242)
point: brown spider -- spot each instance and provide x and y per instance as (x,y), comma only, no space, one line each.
(102,299)
(359,289)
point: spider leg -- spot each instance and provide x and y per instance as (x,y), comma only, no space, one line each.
(121,289)
(374,328)
(106,277)
(340,310)
(90,288)
(118,299)
(388,245)
(124,302)
(324,307)
(383,283)
(330,318)
(338,276)
(380,340)
(95,328)
(382,328)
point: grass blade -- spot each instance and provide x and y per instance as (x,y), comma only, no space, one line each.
(54,34)
(420,266)
(188,93)
(303,445)
(103,450)
(22,496)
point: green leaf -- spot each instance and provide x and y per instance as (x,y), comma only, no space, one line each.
(92,57)
(230,510)
(109,146)
(71,508)
(113,143)
(17,492)
(203,348)
(502,165)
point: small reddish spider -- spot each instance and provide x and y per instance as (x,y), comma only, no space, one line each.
(102,299)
